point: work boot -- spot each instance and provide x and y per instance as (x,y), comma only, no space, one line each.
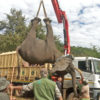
(47,20)
(35,20)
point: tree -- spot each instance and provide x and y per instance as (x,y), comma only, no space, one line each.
(59,44)
(14,24)
(80,51)
(15,30)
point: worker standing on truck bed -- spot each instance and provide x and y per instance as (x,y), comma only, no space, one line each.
(44,89)
(84,90)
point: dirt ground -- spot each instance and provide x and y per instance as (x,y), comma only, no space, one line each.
(21,98)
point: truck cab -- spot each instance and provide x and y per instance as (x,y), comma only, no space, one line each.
(90,68)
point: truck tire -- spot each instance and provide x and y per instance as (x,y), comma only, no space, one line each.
(98,96)
(71,97)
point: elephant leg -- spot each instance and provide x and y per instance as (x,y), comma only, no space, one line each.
(34,23)
(73,74)
(50,37)
(24,48)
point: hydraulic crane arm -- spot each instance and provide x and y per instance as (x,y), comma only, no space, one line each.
(62,18)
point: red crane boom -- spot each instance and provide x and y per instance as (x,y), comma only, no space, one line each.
(62,18)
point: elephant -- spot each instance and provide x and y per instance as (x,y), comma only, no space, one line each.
(37,51)
(64,65)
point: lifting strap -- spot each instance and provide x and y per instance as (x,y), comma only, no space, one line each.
(41,3)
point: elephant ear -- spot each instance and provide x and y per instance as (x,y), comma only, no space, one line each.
(61,65)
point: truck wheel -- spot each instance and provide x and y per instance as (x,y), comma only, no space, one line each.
(98,96)
(71,97)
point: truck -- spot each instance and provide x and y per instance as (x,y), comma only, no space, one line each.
(90,68)
(11,64)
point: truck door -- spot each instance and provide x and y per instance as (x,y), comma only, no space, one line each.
(86,67)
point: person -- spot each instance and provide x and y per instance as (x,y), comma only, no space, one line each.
(4,84)
(59,83)
(44,89)
(84,90)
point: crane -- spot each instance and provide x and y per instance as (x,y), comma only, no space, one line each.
(62,18)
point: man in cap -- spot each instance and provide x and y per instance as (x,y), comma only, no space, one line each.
(44,89)
(4,84)
(84,90)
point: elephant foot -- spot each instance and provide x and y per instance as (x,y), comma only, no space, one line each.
(36,19)
(75,95)
(47,20)
(71,96)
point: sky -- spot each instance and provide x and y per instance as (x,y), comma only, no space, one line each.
(83,17)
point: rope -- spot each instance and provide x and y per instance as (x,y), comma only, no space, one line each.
(39,9)
(41,3)
(44,9)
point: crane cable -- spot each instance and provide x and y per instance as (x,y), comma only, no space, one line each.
(41,3)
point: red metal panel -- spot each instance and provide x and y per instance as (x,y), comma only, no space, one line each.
(57,10)
(61,15)
(67,45)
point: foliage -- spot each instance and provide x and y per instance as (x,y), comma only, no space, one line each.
(59,44)
(80,51)
(15,30)
(9,42)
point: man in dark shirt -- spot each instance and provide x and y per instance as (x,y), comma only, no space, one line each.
(59,83)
